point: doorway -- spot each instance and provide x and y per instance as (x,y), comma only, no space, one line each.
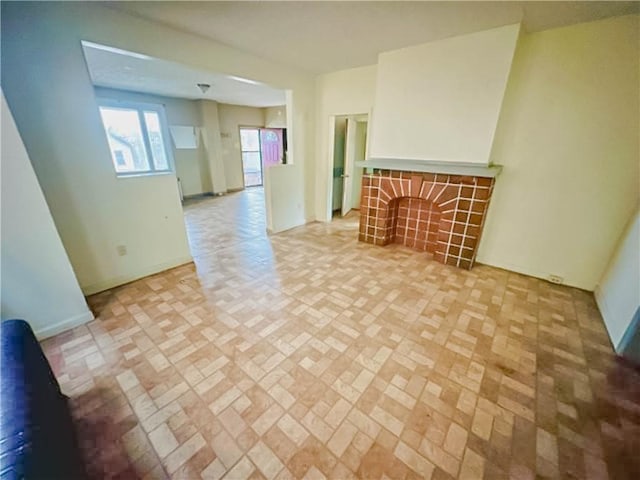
(261,148)
(348,146)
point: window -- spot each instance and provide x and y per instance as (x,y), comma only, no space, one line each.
(137,136)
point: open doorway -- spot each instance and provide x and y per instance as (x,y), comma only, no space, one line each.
(348,146)
(261,148)
(165,119)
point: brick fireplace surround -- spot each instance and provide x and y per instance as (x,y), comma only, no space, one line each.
(438,213)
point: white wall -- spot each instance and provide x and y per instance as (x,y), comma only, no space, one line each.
(280,185)
(347,92)
(54,106)
(38,283)
(441,100)
(232,117)
(618,291)
(286,185)
(191,164)
(275,117)
(568,138)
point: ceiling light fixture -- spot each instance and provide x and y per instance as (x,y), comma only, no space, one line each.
(203,87)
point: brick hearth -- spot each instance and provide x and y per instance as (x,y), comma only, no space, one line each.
(438,213)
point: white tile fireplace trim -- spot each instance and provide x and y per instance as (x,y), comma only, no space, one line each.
(432,166)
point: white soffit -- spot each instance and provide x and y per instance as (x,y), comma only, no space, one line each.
(115,68)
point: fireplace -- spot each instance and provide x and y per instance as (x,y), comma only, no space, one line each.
(440,213)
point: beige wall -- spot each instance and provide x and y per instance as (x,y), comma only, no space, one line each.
(232,117)
(275,117)
(210,135)
(55,109)
(568,138)
(38,283)
(284,189)
(441,100)
(347,92)
(360,154)
(58,119)
(618,291)
(191,164)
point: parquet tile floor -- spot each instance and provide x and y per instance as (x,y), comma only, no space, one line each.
(309,355)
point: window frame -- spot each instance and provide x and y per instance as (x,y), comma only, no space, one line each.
(140,108)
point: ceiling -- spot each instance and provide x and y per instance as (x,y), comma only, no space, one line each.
(115,68)
(323,37)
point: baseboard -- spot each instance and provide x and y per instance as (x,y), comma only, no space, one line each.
(64,325)
(122,279)
(530,273)
(197,195)
(287,226)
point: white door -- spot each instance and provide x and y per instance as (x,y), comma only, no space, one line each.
(349,158)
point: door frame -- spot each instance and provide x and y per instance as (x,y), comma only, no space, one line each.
(250,127)
(349,165)
(329,170)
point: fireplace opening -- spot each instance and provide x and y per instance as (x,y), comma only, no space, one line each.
(415,223)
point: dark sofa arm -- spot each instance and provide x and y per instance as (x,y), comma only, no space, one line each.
(37,437)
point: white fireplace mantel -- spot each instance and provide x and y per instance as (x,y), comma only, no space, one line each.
(432,166)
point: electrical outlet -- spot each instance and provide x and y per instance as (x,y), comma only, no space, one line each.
(556,279)
(122,250)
